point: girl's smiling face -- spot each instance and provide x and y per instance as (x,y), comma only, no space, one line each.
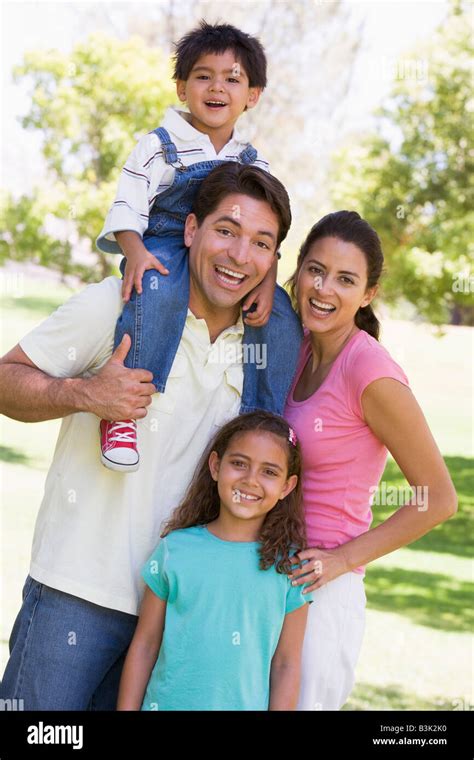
(252,475)
(332,285)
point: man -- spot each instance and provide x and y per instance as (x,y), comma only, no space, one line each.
(96,527)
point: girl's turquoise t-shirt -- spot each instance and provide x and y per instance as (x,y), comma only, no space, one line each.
(223,621)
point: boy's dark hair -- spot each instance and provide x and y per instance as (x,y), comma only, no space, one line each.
(243,179)
(217,38)
(283,531)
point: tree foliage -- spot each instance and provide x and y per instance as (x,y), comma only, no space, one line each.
(89,106)
(412,179)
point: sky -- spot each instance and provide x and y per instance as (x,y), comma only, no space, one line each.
(390,29)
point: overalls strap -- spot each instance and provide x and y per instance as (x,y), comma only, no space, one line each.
(248,155)
(169,148)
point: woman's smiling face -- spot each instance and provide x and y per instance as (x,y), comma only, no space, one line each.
(332,285)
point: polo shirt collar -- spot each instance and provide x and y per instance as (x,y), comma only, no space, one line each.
(179,125)
(237,329)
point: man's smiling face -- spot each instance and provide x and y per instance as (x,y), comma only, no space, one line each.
(231,252)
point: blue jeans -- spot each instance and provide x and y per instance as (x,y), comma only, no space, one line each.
(65,653)
(155,319)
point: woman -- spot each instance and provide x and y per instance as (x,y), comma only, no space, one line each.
(350,403)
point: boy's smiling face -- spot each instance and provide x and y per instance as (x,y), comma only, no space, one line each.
(217,92)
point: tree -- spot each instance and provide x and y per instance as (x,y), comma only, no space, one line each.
(90,107)
(412,179)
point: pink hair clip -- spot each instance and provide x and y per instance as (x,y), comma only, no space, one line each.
(292,436)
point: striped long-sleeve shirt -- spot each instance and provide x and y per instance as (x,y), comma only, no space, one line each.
(146,174)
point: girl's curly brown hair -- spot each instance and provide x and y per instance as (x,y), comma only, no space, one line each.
(283,532)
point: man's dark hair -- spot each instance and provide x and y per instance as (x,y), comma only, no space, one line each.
(217,38)
(243,179)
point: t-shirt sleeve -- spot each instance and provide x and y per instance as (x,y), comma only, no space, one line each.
(78,336)
(367,366)
(294,595)
(154,571)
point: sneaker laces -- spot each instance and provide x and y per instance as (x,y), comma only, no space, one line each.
(128,436)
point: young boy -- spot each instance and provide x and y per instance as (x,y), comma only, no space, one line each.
(220,72)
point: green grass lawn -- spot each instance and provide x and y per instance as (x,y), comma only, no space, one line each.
(417,652)
(417,648)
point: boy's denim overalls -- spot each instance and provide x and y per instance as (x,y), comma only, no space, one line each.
(155,319)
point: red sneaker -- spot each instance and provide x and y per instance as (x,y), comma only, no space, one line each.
(118,443)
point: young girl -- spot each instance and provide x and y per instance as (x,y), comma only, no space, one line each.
(221,627)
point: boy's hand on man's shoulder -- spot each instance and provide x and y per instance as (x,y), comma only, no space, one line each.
(139,259)
(261,299)
(137,264)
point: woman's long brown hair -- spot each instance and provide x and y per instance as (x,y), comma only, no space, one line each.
(283,531)
(351,228)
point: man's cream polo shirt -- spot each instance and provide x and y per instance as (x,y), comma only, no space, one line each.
(96,527)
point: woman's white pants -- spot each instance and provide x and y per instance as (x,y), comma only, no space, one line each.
(332,643)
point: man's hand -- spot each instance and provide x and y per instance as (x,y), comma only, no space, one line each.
(119,393)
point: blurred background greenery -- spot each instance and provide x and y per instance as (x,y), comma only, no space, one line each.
(410,176)
(406,167)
